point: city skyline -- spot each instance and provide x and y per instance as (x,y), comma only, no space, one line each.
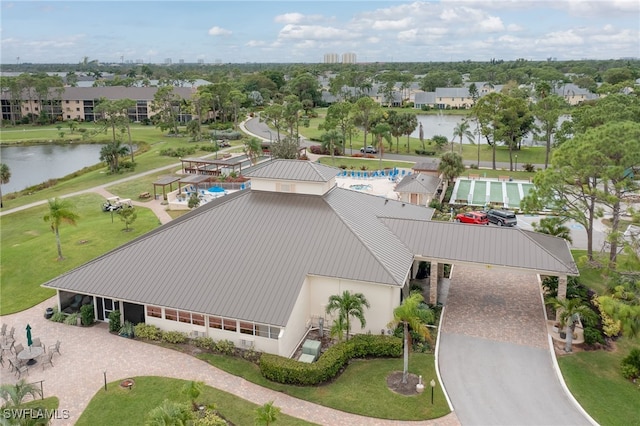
(303,31)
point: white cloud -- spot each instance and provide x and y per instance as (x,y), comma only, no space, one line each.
(491,24)
(560,38)
(314,32)
(290,18)
(256,43)
(217,31)
(392,24)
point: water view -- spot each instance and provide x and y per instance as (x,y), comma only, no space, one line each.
(31,165)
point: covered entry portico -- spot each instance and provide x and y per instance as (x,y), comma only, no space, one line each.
(441,243)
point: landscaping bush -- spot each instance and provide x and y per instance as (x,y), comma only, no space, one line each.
(225,347)
(71,319)
(114,321)
(630,365)
(424,152)
(147,331)
(529,167)
(593,336)
(330,363)
(127,330)
(174,337)
(57,315)
(204,343)
(86,313)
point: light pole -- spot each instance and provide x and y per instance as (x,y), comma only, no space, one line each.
(270,136)
(516,162)
(432,383)
(105,379)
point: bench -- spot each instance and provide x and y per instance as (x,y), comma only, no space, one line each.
(474,177)
(504,178)
(144,195)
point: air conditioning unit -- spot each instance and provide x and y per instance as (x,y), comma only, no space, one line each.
(246,343)
(195,334)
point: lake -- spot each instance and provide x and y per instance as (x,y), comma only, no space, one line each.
(34,164)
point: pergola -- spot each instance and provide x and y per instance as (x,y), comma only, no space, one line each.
(201,166)
(163,181)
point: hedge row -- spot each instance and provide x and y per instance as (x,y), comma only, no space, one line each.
(290,371)
(423,152)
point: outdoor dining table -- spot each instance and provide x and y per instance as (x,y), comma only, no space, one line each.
(30,354)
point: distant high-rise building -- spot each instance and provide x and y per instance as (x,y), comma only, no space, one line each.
(200,61)
(181,61)
(167,61)
(348,58)
(331,58)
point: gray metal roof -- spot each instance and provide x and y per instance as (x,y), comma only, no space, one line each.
(418,183)
(247,254)
(431,165)
(108,92)
(294,170)
(486,245)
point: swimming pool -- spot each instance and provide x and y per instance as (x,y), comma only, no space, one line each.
(361,187)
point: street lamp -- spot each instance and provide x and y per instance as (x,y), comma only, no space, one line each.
(432,383)
(270,136)
(104,372)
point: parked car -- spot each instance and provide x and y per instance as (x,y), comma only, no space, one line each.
(478,218)
(502,217)
(369,150)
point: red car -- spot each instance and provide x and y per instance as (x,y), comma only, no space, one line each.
(477,218)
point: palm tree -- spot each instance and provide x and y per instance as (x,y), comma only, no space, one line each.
(252,148)
(329,140)
(553,225)
(382,131)
(348,305)
(111,153)
(451,166)
(5,176)
(410,123)
(461,130)
(193,389)
(14,394)
(412,313)
(568,312)
(60,211)
(267,414)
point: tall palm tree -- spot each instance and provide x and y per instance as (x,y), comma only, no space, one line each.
(5,176)
(410,123)
(267,414)
(60,211)
(111,153)
(412,313)
(553,225)
(348,305)
(451,166)
(14,394)
(462,129)
(329,140)
(568,312)
(382,132)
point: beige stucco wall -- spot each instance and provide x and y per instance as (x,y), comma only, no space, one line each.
(297,187)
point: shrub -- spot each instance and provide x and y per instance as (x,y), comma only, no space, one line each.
(225,347)
(86,314)
(425,152)
(58,316)
(630,365)
(147,331)
(127,329)
(593,336)
(71,319)
(204,343)
(174,337)
(529,167)
(291,371)
(114,321)
(473,166)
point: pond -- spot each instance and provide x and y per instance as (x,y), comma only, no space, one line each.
(34,164)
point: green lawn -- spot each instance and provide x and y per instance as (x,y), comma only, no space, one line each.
(29,253)
(595,380)
(119,406)
(360,389)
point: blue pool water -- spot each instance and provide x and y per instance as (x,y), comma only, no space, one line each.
(361,187)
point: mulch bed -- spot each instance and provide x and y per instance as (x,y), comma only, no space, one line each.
(394,382)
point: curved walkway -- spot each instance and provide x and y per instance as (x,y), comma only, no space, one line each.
(87,353)
(495,358)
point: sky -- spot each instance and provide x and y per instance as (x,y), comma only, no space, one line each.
(303,31)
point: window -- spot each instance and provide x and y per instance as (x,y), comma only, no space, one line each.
(66,102)
(171,314)
(68,116)
(197,319)
(246,328)
(154,311)
(215,322)
(77,109)
(184,317)
(230,325)
(274,332)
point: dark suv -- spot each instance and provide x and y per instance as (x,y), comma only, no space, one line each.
(502,217)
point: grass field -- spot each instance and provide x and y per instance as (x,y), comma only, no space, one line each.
(120,406)
(29,253)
